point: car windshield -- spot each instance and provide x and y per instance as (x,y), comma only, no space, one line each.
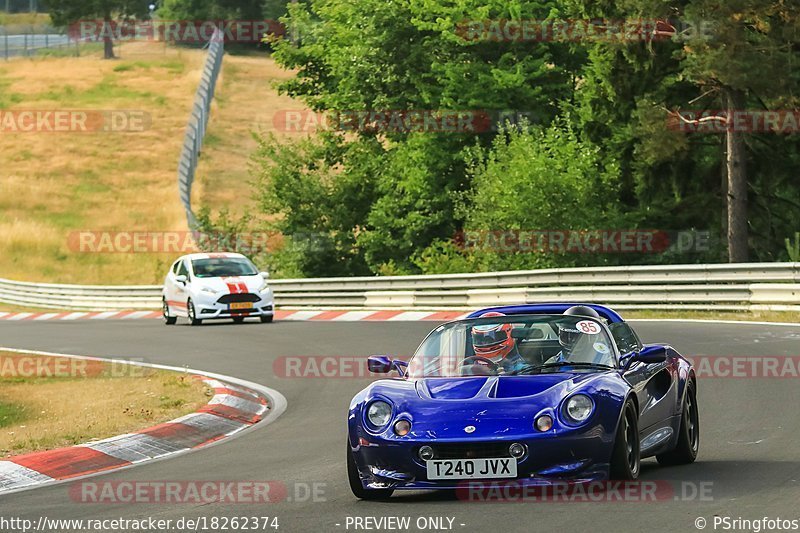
(223,267)
(514,345)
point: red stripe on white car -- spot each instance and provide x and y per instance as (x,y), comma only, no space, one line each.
(235,285)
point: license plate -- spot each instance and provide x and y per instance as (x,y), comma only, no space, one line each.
(241,305)
(472,468)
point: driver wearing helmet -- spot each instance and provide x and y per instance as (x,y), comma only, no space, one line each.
(495,343)
(576,345)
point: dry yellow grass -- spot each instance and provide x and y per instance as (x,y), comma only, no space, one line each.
(43,413)
(22,21)
(246,103)
(53,185)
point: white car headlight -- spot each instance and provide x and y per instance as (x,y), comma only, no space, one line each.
(208,290)
(578,408)
(264,286)
(379,413)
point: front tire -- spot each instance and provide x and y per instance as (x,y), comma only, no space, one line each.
(193,320)
(626,457)
(685,451)
(168,320)
(266,319)
(355,482)
(238,319)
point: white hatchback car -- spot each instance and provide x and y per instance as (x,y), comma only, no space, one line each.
(216,285)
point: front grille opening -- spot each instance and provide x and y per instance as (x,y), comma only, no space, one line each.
(238,298)
(480,450)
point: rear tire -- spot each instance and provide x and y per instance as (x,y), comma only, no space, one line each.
(626,457)
(685,451)
(168,320)
(355,482)
(266,319)
(238,319)
(193,320)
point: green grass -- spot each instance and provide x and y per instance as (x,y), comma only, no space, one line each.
(172,66)
(106,90)
(11,414)
(7,98)
(69,51)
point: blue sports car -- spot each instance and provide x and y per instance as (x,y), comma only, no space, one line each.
(531,394)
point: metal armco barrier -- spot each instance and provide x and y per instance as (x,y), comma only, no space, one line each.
(198,121)
(756,286)
(29,42)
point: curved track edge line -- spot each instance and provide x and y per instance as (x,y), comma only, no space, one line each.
(121,458)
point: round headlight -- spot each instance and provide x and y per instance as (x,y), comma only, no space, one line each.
(402,427)
(379,413)
(578,408)
(544,423)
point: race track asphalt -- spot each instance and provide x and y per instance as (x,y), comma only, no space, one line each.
(749,461)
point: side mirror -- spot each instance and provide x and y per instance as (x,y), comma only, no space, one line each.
(648,355)
(383,364)
(181,278)
(265,275)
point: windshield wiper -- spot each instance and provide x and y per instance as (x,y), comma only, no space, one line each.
(532,368)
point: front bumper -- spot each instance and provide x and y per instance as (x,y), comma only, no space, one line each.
(580,456)
(207,307)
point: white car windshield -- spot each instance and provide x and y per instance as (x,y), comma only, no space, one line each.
(514,345)
(223,267)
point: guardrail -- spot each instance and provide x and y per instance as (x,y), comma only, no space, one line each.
(29,41)
(756,286)
(198,121)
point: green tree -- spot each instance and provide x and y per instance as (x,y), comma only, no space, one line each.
(729,55)
(214,9)
(751,55)
(318,193)
(66,12)
(534,179)
(374,55)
